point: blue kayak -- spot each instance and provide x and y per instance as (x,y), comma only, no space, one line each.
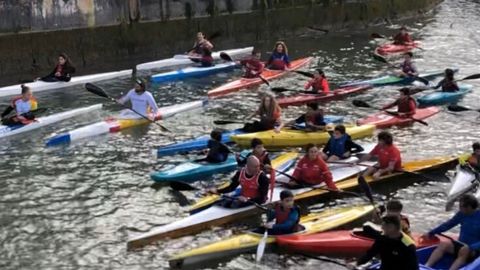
(440,98)
(190,72)
(193,171)
(201,142)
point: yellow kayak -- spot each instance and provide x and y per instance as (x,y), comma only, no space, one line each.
(297,138)
(247,242)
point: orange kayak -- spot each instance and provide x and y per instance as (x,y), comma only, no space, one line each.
(268,74)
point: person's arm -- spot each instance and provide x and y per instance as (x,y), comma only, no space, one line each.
(326,175)
(455,86)
(270,215)
(308,84)
(408,38)
(353,147)
(454,221)
(439,84)
(263,184)
(287,60)
(151,102)
(233,184)
(297,173)
(412,106)
(125,98)
(208,45)
(326,148)
(414,71)
(391,105)
(372,252)
(8,110)
(267,160)
(242,161)
(292,219)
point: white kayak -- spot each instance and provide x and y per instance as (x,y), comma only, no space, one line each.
(464,181)
(182,59)
(6,131)
(217,215)
(123,121)
(39,86)
(190,72)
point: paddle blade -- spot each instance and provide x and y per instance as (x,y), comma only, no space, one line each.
(360,103)
(379,58)
(224,56)
(458,108)
(261,247)
(304,73)
(376,35)
(471,77)
(215,35)
(362,183)
(423,80)
(264,80)
(226,122)
(281,89)
(92,88)
(180,186)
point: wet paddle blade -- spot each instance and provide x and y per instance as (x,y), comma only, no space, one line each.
(92,88)
(181,186)
(471,77)
(304,73)
(264,80)
(458,108)
(380,58)
(361,103)
(281,89)
(362,183)
(224,56)
(261,247)
(318,29)
(226,122)
(422,80)
(376,35)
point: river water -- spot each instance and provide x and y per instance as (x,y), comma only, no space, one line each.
(74,207)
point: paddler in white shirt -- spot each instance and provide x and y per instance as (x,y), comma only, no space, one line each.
(142,101)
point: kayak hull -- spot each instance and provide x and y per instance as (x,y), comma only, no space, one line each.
(385,120)
(302,99)
(268,74)
(463,182)
(441,98)
(191,72)
(391,48)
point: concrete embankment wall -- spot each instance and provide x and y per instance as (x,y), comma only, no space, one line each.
(106,35)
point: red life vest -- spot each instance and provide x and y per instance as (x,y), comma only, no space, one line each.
(404,105)
(249,185)
(262,159)
(281,215)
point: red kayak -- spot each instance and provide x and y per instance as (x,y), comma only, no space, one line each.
(341,243)
(301,99)
(385,120)
(391,48)
(267,74)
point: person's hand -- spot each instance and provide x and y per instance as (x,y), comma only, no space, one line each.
(276,130)
(242,199)
(212,191)
(377,174)
(347,154)
(58,74)
(268,225)
(36,79)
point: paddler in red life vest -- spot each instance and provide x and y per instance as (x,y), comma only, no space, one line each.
(258,150)
(23,105)
(448,83)
(285,217)
(402,38)
(408,68)
(311,170)
(319,83)
(200,45)
(279,58)
(62,72)
(340,145)
(389,158)
(405,103)
(474,159)
(253,66)
(254,186)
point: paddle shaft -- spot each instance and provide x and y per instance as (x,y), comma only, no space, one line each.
(396,114)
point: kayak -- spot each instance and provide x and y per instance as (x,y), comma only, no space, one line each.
(440,98)
(297,138)
(123,121)
(200,143)
(385,120)
(182,59)
(10,130)
(194,171)
(248,242)
(190,72)
(341,243)
(39,86)
(267,74)
(216,215)
(464,181)
(391,48)
(301,99)
(393,79)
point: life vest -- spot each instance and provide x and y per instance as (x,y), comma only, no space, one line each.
(249,185)
(281,216)
(317,84)
(337,146)
(404,105)
(278,61)
(449,86)
(408,67)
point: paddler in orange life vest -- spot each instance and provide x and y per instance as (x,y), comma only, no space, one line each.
(474,159)
(258,150)
(279,58)
(311,170)
(389,158)
(253,67)
(402,38)
(318,83)
(270,115)
(253,182)
(408,68)
(405,103)
(284,217)
(23,105)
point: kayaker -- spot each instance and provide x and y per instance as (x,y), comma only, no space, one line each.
(474,159)
(319,83)
(311,170)
(406,105)
(396,250)
(340,145)
(389,158)
(217,151)
(394,208)
(23,105)
(467,248)
(403,37)
(62,72)
(200,45)
(285,217)
(408,68)
(259,151)
(279,58)
(253,66)
(313,118)
(270,115)
(254,185)
(142,101)
(448,83)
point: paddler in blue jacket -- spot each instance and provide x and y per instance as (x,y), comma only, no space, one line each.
(340,145)
(467,248)
(408,68)
(285,217)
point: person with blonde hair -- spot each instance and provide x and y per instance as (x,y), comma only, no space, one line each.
(279,59)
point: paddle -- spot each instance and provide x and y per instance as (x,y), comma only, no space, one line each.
(384,60)
(281,89)
(377,35)
(363,104)
(318,29)
(94,89)
(304,73)
(417,90)
(458,108)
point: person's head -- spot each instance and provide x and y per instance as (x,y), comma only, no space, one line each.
(394,207)
(139,86)
(216,135)
(257,146)
(200,36)
(476,148)
(449,74)
(286,199)
(408,56)
(339,131)
(468,204)
(403,30)
(268,103)
(311,107)
(63,59)
(280,47)
(256,53)
(26,92)
(385,138)
(312,151)
(319,74)
(391,225)
(405,91)
(253,165)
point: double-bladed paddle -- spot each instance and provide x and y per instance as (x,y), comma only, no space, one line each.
(94,89)
(363,104)
(282,89)
(377,35)
(458,108)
